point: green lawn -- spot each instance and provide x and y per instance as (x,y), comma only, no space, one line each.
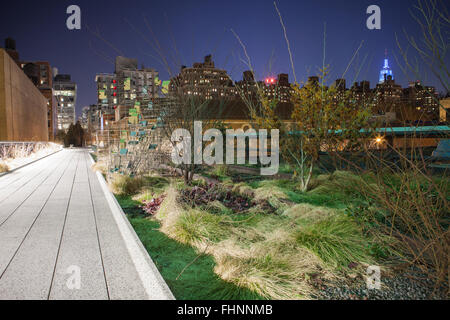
(261,254)
(198,281)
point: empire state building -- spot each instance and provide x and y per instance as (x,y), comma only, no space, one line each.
(386,70)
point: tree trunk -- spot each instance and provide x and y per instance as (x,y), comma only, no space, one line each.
(305,182)
(186,174)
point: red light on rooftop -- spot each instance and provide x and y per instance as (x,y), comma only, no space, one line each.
(114,81)
(270,80)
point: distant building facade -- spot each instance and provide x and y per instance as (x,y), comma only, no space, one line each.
(422,98)
(65,91)
(388,96)
(84,118)
(40,73)
(203,80)
(126,85)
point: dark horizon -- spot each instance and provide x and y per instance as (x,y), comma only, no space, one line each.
(41,34)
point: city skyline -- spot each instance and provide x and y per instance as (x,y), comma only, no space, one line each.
(78,52)
(214,151)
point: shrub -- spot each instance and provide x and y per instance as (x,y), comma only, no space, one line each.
(203,196)
(220,171)
(416,212)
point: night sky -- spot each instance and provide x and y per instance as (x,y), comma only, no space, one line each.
(199,28)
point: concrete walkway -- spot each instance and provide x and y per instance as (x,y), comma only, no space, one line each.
(63,236)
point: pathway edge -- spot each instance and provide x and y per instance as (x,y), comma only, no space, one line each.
(154,284)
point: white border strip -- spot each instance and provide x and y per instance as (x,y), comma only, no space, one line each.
(154,284)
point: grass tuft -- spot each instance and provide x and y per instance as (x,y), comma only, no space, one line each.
(198,226)
(126,185)
(3,167)
(196,282)
(337,240)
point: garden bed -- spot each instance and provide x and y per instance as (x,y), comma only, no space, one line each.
(264,239)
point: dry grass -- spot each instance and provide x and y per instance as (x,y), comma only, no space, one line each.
(3,167)
(263,253)
(17,155)
(273,195)
(242,188)
(100,166)
(308,213)
(408,203)
(126,185)
(341,181)
(169,212)
(417,213)
(337,240)
(275,269)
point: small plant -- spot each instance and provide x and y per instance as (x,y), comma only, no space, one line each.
(336,240)
(196,226)
(126,185)
(220,171)
(3,167)
(152,207)
(203,196)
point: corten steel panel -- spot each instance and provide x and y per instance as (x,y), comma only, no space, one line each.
(3,116)
(23,109)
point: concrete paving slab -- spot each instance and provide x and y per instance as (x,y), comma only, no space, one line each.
(58,218)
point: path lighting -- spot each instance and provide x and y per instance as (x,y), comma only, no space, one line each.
(379,140)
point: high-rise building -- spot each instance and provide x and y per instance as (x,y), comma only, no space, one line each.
(65,91)
(386,71)
(341,89)
(106,82)
(388,96)
(274,88)
(126,85)
(278,88)
(40,73)
(84,118)
(247,87)
(423,98)
(361,93)
(203,80)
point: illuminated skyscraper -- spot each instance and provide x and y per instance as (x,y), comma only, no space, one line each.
(386,71)
(65,91)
